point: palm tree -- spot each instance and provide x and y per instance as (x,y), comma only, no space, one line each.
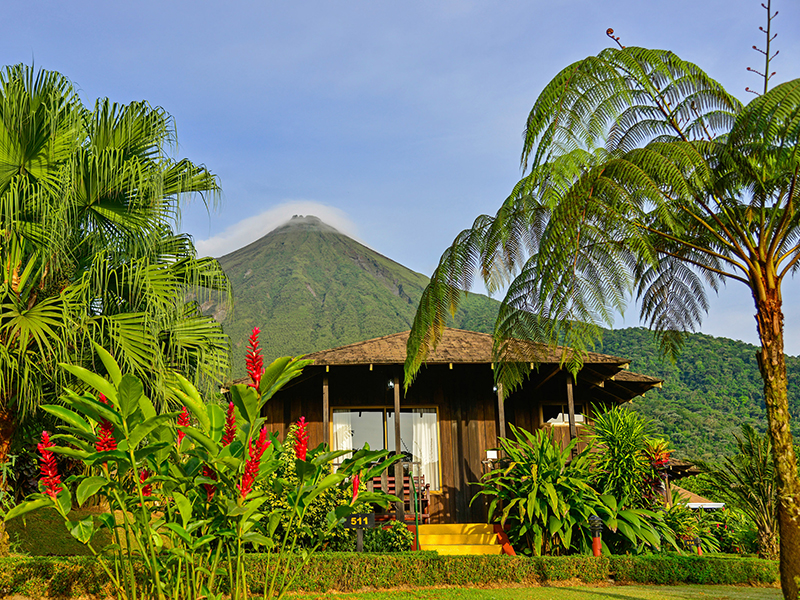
(644,177)
(88,202)
(748,481)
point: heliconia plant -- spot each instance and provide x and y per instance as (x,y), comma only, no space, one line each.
(188,486)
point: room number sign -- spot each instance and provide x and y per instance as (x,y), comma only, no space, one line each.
(360,521)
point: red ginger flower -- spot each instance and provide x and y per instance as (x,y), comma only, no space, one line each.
(211,489)
(50,478)
(254,360)
(147,490)
(105,436)
(253,463)
(230,426)
(356,483)
(301,445)
(183,421)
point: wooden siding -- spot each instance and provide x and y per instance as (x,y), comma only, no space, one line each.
(467,408)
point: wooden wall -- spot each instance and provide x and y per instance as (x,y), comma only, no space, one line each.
(467,407)
(463,396)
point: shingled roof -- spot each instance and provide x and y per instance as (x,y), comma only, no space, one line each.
(456,346)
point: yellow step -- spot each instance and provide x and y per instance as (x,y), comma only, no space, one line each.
(465,548)
(449,539)
(457,529)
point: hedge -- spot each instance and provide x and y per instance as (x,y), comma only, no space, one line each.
(671,569)
(344,572)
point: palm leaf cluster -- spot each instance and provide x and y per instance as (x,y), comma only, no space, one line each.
(89,201)
(644,178)
(749,482)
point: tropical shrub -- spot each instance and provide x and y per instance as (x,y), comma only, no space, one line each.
(621,465)
(313,529)
(394,537)
(734,531)
(542,495)
(690,526)
(186,484)
(749,482)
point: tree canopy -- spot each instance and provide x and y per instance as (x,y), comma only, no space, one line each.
(645,179)
(89,203)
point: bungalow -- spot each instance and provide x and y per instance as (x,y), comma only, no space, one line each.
(451,416)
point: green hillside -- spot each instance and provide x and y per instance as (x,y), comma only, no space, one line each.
(712,389)
(309,287)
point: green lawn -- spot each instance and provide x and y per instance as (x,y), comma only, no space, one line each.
(618,592)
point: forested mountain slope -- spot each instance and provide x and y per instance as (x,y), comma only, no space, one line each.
(712,389)
(309,287)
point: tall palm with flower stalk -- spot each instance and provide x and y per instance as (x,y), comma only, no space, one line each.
(646,178)
(89,200)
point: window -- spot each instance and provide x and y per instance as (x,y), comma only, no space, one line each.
(419,435)
(558,414)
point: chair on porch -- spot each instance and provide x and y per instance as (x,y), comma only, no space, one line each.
(387,484)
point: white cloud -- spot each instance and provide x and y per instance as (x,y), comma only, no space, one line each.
(250,229)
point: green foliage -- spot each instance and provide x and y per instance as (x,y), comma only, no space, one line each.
(539,494)
(313,530)
(394,537)
(688,525)
(620,464)
(748,481)
(712,389)
(346,572)
(88,206)
(542,494)
(672,569)
(189,501)
(734,531)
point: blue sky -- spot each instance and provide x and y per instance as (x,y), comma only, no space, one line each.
(397,122)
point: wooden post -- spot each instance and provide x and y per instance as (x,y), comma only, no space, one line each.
(501,410)
(399,482)
(573,431)
(326,426)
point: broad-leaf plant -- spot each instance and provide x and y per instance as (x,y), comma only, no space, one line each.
(185,489)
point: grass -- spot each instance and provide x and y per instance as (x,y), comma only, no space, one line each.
(611,592)
(43,533)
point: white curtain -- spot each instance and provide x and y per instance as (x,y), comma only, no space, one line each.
(342,431)
(426,444)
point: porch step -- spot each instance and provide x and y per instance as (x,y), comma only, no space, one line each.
(452,549)
(465,538)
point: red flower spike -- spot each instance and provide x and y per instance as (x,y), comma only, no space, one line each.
(147,490)
(50,478)
(105,435)
(253,463)
(183,421)
(356,483)
(230,426)
(211,489)
(254,360)
(301,445)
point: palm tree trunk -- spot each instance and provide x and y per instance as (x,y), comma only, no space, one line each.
(772,363)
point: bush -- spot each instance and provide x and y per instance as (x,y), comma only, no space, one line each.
(394,537)
(41,577)
(671,569)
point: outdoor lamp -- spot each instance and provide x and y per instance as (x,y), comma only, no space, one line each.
(596,526)
(699,547)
